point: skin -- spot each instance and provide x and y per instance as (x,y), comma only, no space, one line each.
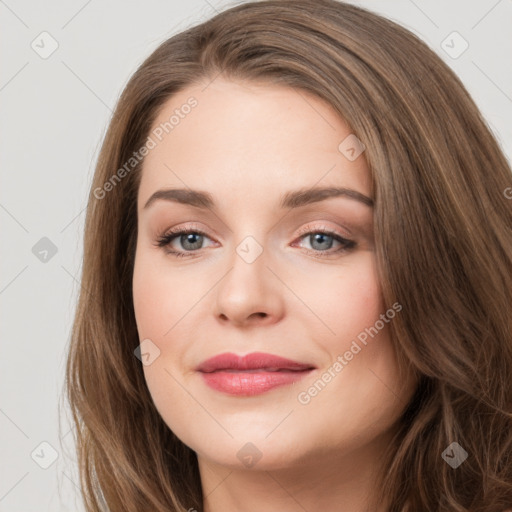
(247,144)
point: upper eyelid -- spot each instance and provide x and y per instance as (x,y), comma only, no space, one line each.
(323,228)
(302,232)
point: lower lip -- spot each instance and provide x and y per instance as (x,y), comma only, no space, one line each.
(251,383)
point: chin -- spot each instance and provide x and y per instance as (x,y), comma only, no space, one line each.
(246,455)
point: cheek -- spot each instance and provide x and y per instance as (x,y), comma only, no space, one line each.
(160,296)
(352,301)
(354,312)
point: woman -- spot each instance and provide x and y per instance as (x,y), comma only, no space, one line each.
(279,374)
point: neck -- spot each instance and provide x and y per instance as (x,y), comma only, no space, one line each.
(329,481)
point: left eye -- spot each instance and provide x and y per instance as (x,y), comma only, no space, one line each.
(321,241)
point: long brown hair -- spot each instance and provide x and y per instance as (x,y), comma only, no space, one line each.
(443,235)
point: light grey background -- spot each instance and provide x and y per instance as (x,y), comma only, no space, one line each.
(54,113)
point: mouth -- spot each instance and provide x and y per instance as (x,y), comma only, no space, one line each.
(252,374)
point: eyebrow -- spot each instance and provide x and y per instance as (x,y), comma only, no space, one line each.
(292,199)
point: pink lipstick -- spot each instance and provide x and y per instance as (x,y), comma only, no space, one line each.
(251,374)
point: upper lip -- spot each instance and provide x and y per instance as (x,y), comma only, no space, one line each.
(253,361)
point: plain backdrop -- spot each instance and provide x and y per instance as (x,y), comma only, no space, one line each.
(64,64)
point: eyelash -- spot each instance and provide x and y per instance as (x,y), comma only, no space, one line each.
(166,239)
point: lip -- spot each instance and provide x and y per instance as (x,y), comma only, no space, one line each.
(251,374)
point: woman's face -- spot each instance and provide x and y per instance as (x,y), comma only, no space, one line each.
(269,265)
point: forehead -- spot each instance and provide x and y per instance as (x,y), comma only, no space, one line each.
(242,138)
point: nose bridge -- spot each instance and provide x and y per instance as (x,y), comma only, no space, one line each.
(248,288)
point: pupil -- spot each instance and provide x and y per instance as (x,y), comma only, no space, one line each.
(320,237)
(189,239)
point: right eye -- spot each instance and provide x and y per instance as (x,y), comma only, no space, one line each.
(190,239)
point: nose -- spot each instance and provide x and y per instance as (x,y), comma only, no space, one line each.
(249,294)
